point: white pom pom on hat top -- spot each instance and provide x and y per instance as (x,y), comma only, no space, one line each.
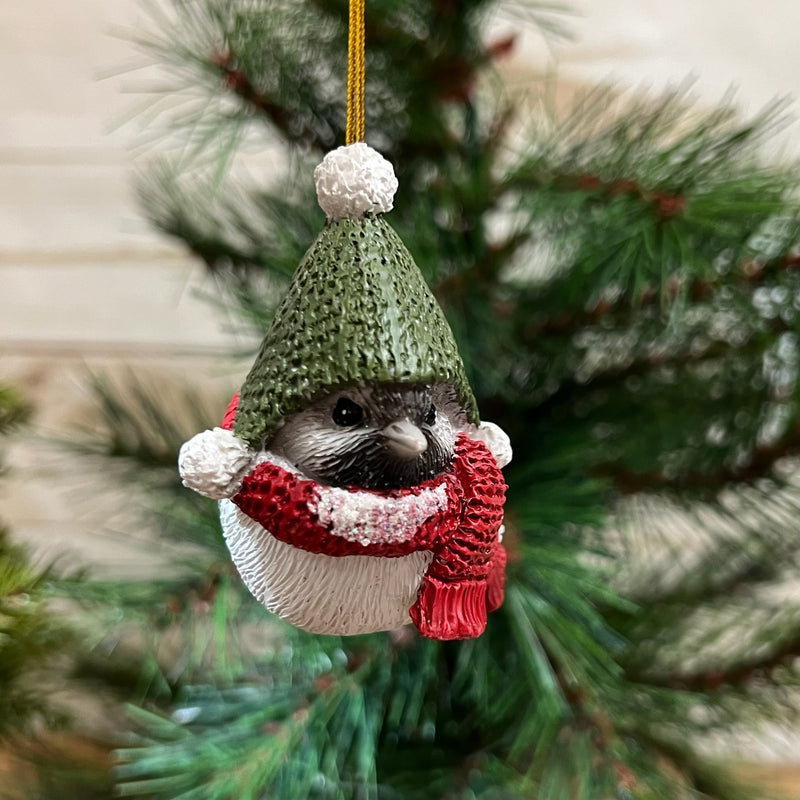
(353,180)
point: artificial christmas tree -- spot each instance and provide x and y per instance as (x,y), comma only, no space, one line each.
(621,281)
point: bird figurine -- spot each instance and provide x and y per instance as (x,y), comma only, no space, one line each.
(359,490)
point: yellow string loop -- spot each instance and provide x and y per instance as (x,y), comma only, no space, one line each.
(355,74)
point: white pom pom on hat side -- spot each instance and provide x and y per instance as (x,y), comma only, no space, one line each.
(214,462)
(354,180)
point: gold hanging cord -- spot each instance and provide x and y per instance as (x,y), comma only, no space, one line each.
(355,74)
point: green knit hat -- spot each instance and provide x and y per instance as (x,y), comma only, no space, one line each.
(357,310)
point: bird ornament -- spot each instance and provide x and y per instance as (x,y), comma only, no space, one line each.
(358,489)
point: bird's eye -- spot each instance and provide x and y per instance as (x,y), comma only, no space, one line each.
(347,413)
(430,417)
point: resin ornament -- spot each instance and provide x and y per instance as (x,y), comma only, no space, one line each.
(359,490)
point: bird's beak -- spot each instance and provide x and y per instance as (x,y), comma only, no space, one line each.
(404,439)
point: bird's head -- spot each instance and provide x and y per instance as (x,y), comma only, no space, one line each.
(377,437)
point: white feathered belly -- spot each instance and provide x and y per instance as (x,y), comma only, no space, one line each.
(339,595)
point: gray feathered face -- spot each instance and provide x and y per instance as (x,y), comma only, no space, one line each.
(373,437)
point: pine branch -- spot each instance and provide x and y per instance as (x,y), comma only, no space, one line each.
(739,674)
(31,639)
(621,311)
(15,410)
(237,82)
(225,225)
(136,425)
(627,168)
(761,461)
(673,556)
(570,391)
(606,131)
(722,642)
(663,204)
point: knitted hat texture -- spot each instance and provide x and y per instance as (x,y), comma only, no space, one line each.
(357,311)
